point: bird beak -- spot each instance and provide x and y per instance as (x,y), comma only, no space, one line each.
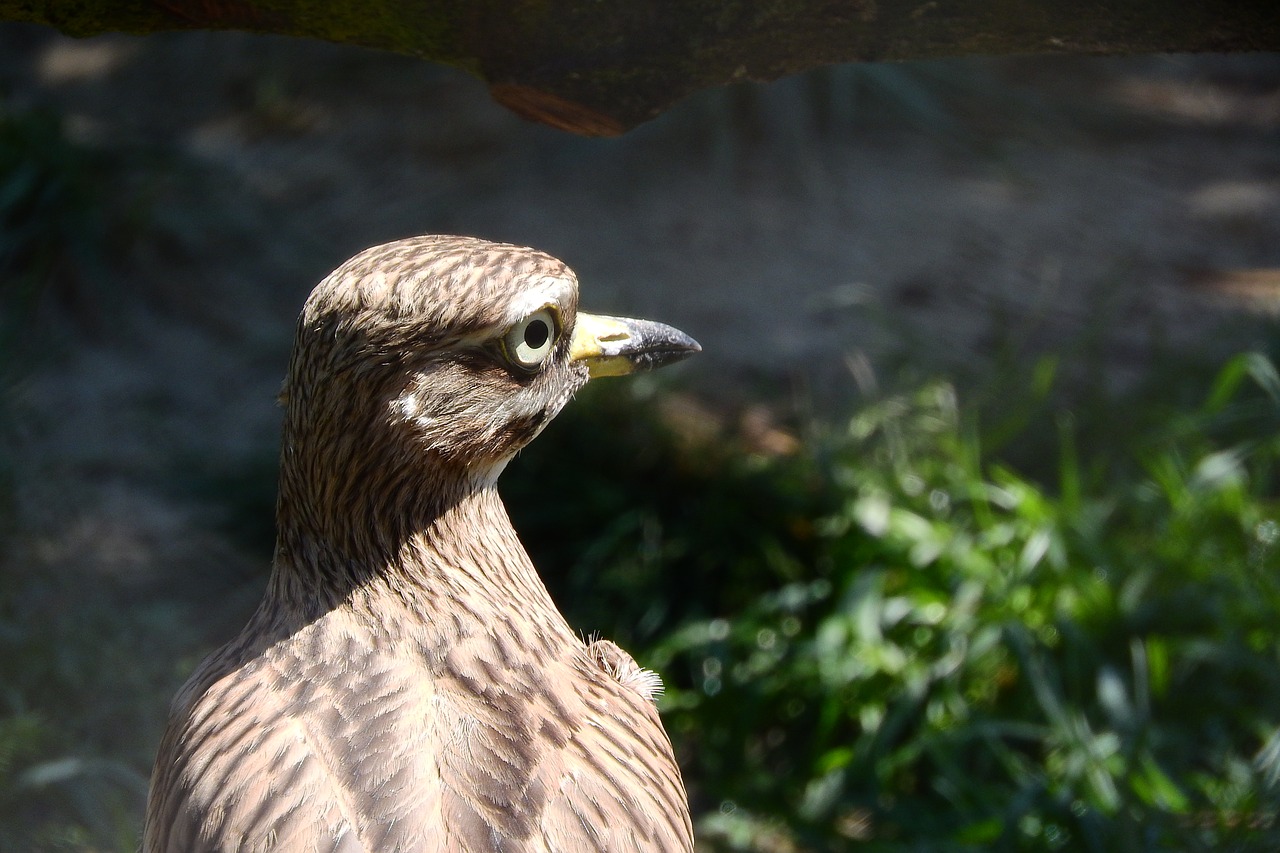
(616,346)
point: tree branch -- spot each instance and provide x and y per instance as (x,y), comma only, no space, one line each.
(600,67)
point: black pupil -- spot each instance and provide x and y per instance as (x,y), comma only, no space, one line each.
(536,334)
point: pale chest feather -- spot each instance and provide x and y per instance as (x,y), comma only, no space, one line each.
(330,740)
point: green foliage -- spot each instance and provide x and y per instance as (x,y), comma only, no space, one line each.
(83,695)
(605,504)
(82,692)
(63,219)
(45,208)
(959,656)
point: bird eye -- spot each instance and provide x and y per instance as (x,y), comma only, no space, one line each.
(529,342)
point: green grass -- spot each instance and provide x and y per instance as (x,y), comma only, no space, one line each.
(56,221)
(899,638)
(85,667)
(81,687)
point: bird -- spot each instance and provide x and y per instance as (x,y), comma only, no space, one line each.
(407,683)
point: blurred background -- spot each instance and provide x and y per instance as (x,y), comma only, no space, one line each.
(960,534)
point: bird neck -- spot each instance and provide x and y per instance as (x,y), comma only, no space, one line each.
(431,565)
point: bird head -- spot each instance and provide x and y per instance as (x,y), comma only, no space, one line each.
(452,350)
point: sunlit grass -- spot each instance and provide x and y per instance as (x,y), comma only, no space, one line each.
(914,643)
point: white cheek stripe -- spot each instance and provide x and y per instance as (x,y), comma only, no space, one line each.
(520,405)
(409,408)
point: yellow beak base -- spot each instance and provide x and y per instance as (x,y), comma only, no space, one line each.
(616,346)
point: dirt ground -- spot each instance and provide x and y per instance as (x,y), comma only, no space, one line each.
(812,234)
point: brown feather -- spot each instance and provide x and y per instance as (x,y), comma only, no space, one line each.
(407,683)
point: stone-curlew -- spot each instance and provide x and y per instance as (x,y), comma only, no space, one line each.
(407,683)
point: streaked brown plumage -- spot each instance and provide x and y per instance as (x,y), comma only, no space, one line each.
(407,683)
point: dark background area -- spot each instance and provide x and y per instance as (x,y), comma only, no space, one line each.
(1075,248)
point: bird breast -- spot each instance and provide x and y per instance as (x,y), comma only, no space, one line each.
(335,737)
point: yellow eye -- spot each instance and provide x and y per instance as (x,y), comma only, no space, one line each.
(529,342)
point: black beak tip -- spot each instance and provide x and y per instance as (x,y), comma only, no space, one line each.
(677,347)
